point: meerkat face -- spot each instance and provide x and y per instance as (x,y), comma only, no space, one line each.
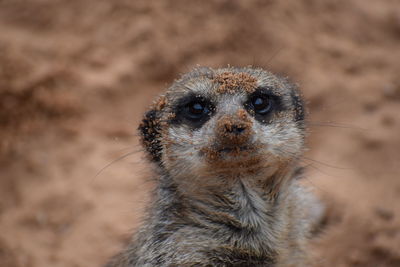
(227,121)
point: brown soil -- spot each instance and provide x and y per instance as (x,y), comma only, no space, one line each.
(75,77)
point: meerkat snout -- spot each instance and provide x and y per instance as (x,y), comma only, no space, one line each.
(233,127)
(233,131)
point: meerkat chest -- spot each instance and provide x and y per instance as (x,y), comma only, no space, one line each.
(255,216)
(251,209)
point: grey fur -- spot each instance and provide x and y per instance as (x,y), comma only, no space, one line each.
(221,212)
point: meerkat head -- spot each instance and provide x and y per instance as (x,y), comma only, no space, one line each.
(230,121)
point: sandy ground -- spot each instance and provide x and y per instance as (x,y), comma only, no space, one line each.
(75,77)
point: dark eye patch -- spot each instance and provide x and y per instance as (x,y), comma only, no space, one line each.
(193,110)
(263,103)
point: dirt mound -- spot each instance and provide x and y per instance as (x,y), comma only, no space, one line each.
(76,76)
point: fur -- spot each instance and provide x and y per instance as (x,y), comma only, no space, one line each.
(225,198)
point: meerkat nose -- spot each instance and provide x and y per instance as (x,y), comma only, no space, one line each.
(235,129)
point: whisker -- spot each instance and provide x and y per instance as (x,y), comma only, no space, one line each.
(303,158)
(254,61)
(316,186)
(326,164)
(114,161)
(310,165)
(335,125)
(136,146)
(274,55)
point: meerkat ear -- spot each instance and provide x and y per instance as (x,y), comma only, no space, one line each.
(298,104)
(150,131)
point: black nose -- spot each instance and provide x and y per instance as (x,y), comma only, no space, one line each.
(235,129)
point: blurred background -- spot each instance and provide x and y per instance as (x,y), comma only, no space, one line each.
(76,76)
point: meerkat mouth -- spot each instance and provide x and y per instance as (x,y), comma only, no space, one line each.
(233,149)
(227,152)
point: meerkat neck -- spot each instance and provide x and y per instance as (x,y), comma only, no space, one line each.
(240,195)
(242,209)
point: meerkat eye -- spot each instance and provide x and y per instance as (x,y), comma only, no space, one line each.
(195,110)
(261,104)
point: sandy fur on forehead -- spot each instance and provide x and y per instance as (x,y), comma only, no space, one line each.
(231,82)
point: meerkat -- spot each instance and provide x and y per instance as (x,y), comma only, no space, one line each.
(226,144)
